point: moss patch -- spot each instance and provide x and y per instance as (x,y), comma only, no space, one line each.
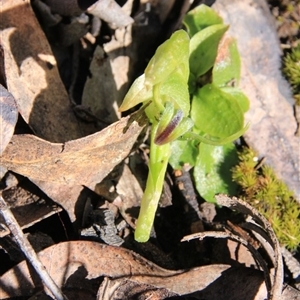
(270,196)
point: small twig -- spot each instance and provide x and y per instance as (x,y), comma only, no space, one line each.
(29,252)
(243,207)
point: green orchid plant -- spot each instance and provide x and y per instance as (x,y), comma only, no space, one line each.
(194,119)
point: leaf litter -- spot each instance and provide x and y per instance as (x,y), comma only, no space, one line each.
(68,159)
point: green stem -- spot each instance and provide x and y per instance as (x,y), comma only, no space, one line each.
(157,98)
(159,157)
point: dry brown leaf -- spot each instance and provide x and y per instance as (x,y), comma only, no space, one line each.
(70,196)
(110,12)
(8,117)
(110,74)
(32,74)
(89,260)
(84,161)
(107,10)
(101,93)
(267,237)
(130,194)
(30,214)
(262,235)
(27,207)
(114,289)
(271,116)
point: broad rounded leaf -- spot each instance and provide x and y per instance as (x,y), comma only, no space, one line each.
(204,47)
(182,152)
(227,65)
(216,113)
(199,18)
(171,56)
(212,171)
(239,96)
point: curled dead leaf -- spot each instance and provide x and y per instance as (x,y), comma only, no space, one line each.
(265,238)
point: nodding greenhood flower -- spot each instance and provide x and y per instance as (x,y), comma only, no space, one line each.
(165,79)
(172,125)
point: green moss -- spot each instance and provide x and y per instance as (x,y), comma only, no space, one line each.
(291,70)
(270,196)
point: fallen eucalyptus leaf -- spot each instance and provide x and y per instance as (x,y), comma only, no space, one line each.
(8,117)
(107,10)
(100,92)
(32,75)
(255,232)
(28,207)
(70,196)
(84,161)
(110,12)
(113,289)
(87,260)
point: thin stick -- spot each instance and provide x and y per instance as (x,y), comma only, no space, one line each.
(29,252)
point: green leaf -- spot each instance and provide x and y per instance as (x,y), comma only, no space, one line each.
(199,18)
(227,66)
(183,152)
(175,90)
(239,96)
(172,56)
(137,93)
(216,113)
(212,172)
(204,47)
